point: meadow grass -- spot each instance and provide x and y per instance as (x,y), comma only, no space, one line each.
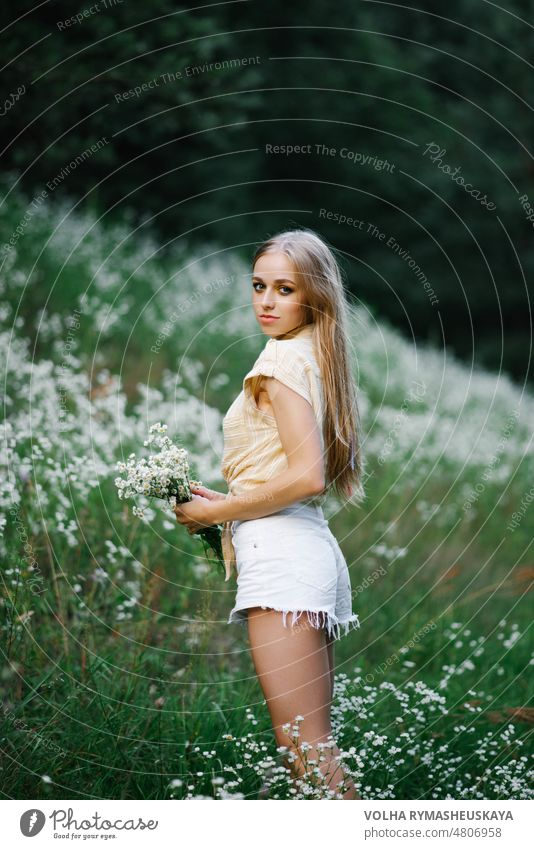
(120,676)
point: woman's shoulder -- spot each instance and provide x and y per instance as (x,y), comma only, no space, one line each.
(293,357)
(292,360)
(287,359)
(297,350)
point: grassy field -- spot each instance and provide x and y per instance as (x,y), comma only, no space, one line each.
(120,677)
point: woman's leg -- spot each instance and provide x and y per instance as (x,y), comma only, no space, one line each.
(293,669)
(330,642)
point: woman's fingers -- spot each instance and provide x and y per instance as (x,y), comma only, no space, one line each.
(210,494)
(190,527)
(181,519)
(204,491)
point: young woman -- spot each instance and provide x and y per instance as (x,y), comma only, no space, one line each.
(290,436)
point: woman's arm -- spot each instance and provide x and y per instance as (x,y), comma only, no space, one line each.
(304,476)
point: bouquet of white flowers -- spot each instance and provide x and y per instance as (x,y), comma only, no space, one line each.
(165,475)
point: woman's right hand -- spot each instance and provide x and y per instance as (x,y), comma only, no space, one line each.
(210,494)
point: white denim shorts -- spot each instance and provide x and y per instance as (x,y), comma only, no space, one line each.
(290,561)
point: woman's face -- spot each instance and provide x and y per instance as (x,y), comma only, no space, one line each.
(276,293)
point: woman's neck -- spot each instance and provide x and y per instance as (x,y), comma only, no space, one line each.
(303,328)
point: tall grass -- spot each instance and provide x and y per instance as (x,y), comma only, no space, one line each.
(120,677)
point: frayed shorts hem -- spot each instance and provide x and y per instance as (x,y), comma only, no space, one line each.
(316,618)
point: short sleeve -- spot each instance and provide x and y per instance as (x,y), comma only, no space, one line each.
(287,364)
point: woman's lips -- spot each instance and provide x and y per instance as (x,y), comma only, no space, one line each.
(268,318)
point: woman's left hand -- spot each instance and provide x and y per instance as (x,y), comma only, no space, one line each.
(194,514)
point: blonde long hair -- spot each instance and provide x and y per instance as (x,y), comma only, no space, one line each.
(327,307)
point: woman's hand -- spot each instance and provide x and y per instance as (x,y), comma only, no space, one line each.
(210,494)
(194,514)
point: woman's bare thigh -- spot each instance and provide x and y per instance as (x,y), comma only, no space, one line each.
(292,665)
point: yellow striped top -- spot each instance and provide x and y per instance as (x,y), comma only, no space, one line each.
(253,452)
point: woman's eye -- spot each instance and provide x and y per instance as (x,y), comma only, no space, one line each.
(288,292)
